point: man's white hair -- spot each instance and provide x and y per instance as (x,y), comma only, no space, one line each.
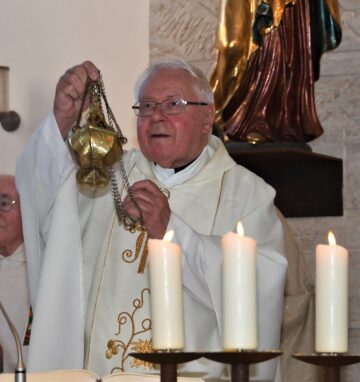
(202,84)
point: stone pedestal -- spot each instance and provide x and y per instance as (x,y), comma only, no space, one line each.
(307,184)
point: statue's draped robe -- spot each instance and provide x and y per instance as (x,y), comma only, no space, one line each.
(80,283)
(265,92)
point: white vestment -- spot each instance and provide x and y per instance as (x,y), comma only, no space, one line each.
(14,296)
(81,284)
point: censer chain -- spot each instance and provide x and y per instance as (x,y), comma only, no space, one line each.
(129,224)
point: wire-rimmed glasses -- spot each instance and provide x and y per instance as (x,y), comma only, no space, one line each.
(6,202)
(169,106)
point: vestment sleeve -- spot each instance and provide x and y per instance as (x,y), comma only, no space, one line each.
(40,171)
(194,246)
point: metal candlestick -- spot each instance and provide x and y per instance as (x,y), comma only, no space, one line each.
(332,363)
(168,362)
(241,360)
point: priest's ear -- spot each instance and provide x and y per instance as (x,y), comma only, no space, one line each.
(209,118)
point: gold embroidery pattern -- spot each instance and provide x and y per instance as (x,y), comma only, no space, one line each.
(141,242)
(114,346)
(140,247)
(127,256)
(142,346)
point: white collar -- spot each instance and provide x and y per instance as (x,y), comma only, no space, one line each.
(169,178)
(17,256)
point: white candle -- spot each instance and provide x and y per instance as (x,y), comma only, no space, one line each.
(4,89)
(239,291)
(331,298)
(166,294)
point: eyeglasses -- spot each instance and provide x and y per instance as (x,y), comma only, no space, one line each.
(6,202)
(169,106)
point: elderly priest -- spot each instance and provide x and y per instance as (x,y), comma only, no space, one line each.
(88,279)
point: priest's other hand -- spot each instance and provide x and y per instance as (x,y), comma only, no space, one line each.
(154,206)
(69,93)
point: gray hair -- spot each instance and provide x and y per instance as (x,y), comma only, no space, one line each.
(202,84)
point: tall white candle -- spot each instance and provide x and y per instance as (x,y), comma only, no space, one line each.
(331,297)
(4,89)
(166,294)
(239,291)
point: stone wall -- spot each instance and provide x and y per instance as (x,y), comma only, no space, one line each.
(187,29)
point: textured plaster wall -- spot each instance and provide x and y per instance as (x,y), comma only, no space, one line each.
(40,39)
(187,29)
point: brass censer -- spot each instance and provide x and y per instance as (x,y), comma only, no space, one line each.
(96,147)
(97,144)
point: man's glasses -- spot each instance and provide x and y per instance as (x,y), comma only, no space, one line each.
(6,202)
(169,106)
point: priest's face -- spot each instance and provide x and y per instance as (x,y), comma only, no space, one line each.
(10,217)
(173,140)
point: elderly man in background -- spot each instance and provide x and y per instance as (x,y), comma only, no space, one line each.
(14,294)
(91,302)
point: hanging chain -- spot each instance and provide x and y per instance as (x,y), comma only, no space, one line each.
(128,222)
(110,114)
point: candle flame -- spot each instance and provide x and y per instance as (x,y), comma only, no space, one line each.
(168,236)
(331,238)
(240,229)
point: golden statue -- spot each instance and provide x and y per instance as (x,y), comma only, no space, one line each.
(268,56)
